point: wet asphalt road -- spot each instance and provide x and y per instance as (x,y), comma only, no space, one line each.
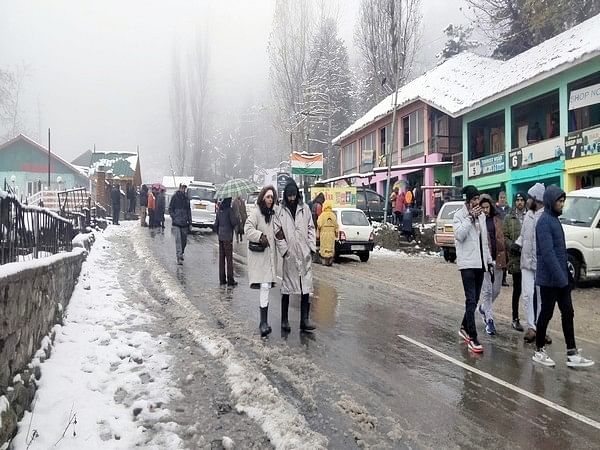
(357,382)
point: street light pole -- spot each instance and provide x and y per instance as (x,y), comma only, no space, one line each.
(389,153)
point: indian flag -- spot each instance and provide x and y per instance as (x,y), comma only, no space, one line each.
(307,163)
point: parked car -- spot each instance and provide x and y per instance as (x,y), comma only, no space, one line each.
(444,230)
(355,235)
(581,223)
(371,203)
(202,204)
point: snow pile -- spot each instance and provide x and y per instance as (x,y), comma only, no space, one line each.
(16,267)
(385,253)
(106,381)
(254,395)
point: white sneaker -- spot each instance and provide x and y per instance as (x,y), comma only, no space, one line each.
(541,357)
(578,360)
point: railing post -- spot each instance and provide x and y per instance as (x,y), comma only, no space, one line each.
(36,234)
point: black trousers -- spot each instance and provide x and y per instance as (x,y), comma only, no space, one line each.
(226,258)
(116,212)
(551,296)
(516,294)
(472,280)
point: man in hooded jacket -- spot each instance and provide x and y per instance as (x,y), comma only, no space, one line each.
(554,279)
(295,240)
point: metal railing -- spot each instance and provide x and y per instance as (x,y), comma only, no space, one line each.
(413,151)
(31,232)
(457,162)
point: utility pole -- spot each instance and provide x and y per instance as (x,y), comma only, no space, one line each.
(48,158)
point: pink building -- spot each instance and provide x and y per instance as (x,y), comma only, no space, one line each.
(428,144)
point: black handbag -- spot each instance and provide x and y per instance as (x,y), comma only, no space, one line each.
(255,247)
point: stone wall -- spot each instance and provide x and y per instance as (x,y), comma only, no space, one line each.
(33,296)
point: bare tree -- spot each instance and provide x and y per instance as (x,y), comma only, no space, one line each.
(289,45)
(179,113)
(197,87)
(387,38)
(11,88)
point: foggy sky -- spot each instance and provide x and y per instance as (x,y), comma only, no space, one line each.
(99,71)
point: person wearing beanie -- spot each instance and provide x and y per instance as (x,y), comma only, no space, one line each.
(472,258)
(296,242)
(512,230)
(492,280)
(555,281)
(526,241)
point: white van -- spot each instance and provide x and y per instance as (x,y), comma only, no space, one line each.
(202,203)
(581,223)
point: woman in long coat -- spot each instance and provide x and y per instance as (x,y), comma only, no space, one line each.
(295,240)
(262,265)
(327,226)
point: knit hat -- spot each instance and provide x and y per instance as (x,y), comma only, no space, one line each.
(469,192)
(522,195)
(536,192)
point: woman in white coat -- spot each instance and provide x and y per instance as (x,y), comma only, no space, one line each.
(262,262)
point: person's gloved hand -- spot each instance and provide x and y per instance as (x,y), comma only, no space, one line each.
(264,241)
(515,249)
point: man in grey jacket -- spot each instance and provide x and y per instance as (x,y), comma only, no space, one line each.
(473,259)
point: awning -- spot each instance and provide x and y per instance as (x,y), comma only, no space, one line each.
(345,177)
(416,166)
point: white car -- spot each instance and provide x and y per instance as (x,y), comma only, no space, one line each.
(581,223)
(202,204)
(355,235)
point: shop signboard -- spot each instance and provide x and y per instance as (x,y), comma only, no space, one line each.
(342,197)
(583,143)
(535,153)
(487,165)
(589,95)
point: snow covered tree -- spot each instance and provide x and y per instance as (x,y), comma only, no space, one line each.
(328,103)
(514,26)
(387,36)
(459,40)
(11,88)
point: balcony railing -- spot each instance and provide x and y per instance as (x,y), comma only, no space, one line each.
(445,144)
(394,158)
(457,162)
(413,151)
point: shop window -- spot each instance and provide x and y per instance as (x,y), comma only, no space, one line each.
(349,157)
(584,103)
(486,136)
(535,120)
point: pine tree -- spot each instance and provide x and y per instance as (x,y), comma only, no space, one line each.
(459,40)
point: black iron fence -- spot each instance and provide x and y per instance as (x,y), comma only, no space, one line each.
(30,232)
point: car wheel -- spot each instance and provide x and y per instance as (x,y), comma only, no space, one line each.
(574,266)
(364,256)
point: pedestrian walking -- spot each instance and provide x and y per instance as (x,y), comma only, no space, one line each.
(512,230)
(143,205)
(527,242)
(327,231)
(262,253)
(181,220)
(437,198)
(224,226)
(115,202)
(316,208)
(239,209)
(492,280)
(159,212)
(554,279)
(502,209)
(472,258)
(151,208)
(131,196)
(295,240)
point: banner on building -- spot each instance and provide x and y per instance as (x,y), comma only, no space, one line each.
(536,153)
(487,165)
(307,163)
(589,95)
(342,197)
(583,143)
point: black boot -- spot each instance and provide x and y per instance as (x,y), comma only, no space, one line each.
(265,329)
(285,303)
(305,323)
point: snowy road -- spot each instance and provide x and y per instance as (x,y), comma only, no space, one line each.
(385,368)
(357,383)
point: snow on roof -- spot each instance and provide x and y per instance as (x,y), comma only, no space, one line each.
(468,81)
(120,164)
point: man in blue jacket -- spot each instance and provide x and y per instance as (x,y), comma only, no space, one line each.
(554,280)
